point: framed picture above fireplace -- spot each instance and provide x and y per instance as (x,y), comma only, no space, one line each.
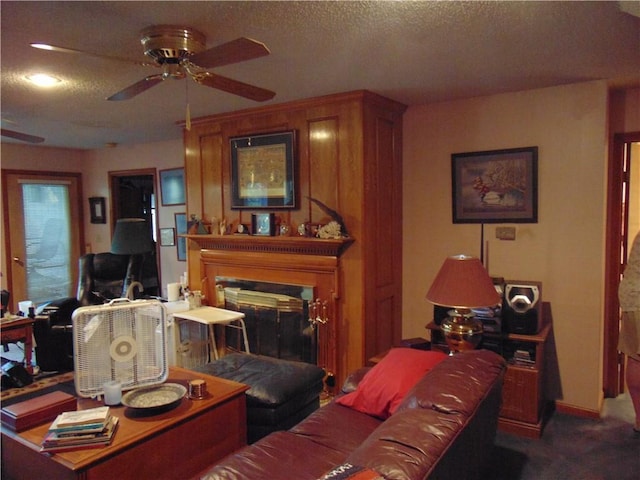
(263,171)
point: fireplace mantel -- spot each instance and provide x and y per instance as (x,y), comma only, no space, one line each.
(259,244)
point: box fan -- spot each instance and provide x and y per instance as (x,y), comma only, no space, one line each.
(123,341)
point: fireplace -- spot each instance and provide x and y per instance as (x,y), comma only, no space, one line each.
(296,278)
(276,318)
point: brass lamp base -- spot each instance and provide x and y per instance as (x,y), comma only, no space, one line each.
(462,331)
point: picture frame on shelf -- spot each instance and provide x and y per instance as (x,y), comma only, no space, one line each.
(172,188)
(495,186)
(167,237)
(97,210)
(263,171)
(263,224)
(181,242)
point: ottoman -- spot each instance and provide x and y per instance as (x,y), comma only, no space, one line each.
(281,393)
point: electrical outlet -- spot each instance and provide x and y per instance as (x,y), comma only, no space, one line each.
(506,233)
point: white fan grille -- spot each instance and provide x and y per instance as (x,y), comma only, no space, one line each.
(119,341)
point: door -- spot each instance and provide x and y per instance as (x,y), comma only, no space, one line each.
(133,196)
(44,229)
(623,222)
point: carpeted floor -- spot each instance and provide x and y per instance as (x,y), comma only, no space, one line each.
(571,448)
(43,380)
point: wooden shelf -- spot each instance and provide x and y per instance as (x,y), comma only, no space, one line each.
(524,405)
(287,245)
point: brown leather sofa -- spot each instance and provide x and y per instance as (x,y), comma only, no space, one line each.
(443,429)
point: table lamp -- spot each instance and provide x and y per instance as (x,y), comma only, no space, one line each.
(132,237)
(462,284)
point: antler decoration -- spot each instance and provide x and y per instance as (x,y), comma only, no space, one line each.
(333,214)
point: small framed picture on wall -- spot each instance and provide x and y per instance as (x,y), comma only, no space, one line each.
(97,210)
(167,237)
(181,229)
(172,186)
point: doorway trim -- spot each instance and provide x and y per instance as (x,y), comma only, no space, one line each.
(14,244)
(115,210)
(114,194)
(616,242)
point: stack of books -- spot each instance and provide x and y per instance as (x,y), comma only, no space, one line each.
(80,429)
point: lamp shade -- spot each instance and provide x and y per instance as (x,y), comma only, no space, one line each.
(131,237)
(463,282)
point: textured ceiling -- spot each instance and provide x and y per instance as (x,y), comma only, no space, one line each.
(412,52)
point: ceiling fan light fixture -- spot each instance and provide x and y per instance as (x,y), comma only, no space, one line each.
(43,79)
(173,70)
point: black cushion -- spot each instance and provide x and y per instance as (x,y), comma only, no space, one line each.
(273,381)
(281,393)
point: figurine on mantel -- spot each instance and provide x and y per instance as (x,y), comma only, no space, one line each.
(335,228)
(330,230)
(195,226)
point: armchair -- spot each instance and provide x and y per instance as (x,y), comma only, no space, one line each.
(102,277)
(105,276)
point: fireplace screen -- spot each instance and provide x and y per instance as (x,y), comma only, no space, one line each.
(276,318)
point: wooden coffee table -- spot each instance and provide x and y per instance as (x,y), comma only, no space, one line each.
(179,443)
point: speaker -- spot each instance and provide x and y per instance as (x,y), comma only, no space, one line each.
(521,307)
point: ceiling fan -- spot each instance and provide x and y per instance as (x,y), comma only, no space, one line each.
(181,52)
(23,137)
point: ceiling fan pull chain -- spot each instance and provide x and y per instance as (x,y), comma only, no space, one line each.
(188,113)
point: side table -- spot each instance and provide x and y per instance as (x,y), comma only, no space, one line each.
(20,329)
(212,316)
(525,405)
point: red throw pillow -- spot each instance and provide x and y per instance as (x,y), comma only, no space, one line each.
(382,389)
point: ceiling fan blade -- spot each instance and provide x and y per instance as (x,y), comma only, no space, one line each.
(234,86)
(137,88)
(235,51)
(24,137)
(54,48)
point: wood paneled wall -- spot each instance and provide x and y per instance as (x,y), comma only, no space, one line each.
(349,156)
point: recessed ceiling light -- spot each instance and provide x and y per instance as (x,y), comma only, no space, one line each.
(43,80)
(42,46)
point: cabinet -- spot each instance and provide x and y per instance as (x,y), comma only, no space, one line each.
(524,400)
(348,156)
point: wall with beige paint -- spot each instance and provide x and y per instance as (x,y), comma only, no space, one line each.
(564,250)
(94,166)
(159,155)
